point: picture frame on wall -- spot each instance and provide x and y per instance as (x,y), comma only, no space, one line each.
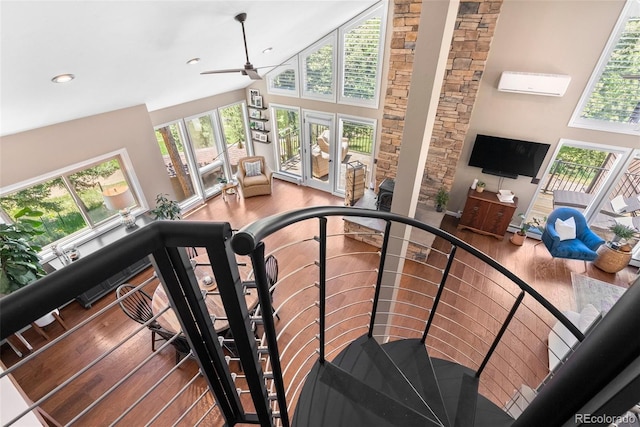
(259,126)
(252,95)
(257,101)
(255,114)
(261,137)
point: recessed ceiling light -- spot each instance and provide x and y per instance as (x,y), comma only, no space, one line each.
(268,50)
(193,61)
(63,78)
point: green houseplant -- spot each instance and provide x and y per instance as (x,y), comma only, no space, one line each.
(442,198)
(621,233)
(166,208)
(519,236)
(19,261)
(480,186)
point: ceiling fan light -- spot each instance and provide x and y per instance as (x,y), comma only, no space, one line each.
(63,78)
(193,61)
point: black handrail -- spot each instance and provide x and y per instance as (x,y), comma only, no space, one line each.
(159,240)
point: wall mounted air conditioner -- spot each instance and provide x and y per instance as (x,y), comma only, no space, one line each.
(534,83)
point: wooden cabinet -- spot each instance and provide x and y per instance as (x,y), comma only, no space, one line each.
(485,214)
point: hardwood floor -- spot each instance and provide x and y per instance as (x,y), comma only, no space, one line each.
(531,262)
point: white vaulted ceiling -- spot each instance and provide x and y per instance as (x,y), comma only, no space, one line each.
(126,53)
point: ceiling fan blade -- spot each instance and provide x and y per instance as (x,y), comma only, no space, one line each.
(253,74)
(249,69)
(230,70)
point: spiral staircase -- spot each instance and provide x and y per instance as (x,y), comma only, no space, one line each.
(394,384)
(368,363)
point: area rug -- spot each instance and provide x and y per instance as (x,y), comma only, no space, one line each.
(591,291)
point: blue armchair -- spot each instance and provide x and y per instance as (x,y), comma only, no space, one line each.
(583,247)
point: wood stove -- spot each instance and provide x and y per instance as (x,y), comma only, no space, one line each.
(385,195)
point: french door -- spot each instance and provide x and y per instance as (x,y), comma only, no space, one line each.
(318,152)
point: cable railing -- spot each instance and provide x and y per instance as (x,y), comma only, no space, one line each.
(484,333)
(331,290)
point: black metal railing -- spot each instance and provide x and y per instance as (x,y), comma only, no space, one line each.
(164,241)
(571,176)
(250,238)
(289,141)
(265,379)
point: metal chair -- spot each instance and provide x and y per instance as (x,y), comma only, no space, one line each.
(136,304)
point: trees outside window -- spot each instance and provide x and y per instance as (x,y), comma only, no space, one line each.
(69,203)
(611,101)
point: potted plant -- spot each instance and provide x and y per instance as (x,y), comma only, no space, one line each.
(166,208)
(519,236)
(442,198)
(480,186)
(621,234)
(19,261)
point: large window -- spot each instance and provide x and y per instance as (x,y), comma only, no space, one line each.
(283,80)
(344,66)
(71,201)
(612,99)
(361,49)
(318,69)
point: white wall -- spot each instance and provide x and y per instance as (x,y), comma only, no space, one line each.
(562,37)
(26,155)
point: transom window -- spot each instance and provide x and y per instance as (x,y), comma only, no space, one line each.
(344,66)
(318,69)
(73,200)
(612,99)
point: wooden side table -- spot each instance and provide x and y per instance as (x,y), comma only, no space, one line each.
(230,187)
(611,260)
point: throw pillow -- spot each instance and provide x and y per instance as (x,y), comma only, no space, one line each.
(566,229)
(253,168)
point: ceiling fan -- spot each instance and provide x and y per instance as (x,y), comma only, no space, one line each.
(249,69)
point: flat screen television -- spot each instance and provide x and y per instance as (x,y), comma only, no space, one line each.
(507,157)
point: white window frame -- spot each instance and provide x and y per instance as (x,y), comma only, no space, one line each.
(374,11)
(632,8)
(366,122)
(330,39)
(291,64)
(89,232)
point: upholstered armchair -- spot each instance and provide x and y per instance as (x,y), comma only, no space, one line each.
(254,176)
(560,241)
(323,143)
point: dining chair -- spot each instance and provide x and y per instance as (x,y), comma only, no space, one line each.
(136,304)
(271,265)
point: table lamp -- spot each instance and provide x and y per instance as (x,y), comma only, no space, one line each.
(119,199)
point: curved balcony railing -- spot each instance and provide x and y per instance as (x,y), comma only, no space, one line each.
(463,304)
(410,280)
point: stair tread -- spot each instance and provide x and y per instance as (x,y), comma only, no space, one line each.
(467,401)
(339,399)
(367,361)
(450,375)
(411,357)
